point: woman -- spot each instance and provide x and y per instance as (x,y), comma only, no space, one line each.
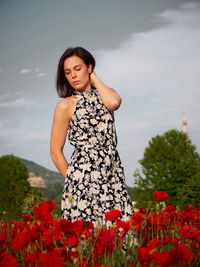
(94,177)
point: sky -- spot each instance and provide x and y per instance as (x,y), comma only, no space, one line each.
(147,50)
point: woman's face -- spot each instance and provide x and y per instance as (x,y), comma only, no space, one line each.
(77,73)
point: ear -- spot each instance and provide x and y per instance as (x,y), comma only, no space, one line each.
(90,68)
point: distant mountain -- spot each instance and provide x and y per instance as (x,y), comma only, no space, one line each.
(49,182)
(51,178)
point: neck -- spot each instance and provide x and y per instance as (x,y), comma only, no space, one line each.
(87,88)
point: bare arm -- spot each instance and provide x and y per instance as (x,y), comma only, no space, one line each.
(58,136)
(108,95)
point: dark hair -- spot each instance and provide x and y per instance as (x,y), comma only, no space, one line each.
(63,87)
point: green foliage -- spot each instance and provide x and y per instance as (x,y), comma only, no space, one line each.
(54,182)
(13,185)
(130,191)
(170,164)
(33,197)
(16,196)
(53,193)
(57,213)
(189,193)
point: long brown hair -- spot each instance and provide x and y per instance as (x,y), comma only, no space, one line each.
(63,87)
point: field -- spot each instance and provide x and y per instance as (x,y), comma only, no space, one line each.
(163,237)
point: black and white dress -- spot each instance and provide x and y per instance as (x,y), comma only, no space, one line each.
(95,180)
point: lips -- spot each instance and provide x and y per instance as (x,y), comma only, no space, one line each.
(75,82)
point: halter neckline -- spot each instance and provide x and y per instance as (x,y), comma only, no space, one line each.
(84,92)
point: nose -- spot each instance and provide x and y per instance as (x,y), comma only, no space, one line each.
(73,74)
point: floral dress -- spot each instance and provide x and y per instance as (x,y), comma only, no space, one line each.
(94,182)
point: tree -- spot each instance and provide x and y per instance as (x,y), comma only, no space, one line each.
(14,187)
(170,164)
(33,198)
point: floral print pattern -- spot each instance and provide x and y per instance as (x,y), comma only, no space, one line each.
(95,180)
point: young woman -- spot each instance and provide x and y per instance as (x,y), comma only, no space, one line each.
(94,177)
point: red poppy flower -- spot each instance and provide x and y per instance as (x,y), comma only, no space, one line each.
(28,218)
(98,264)
(72,241)
(48,205)
(122,225)
(175,241)
(20,241)
(30,260)
(66,226)
(8,261)
(170,208)
(2,239)
(154,243)
(166,240)
(144,255)
(105,241)
(181,253)
(82,227)
(144,211)
(137,219)
(34,233)
(53,258)
(112,215)
(160,196)
(188,208)
(162,259)
(43,213)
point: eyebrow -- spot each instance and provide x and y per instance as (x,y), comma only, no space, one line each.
(74,66)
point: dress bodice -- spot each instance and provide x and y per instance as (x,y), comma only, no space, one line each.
(92,124)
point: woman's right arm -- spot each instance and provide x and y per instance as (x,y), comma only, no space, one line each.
(58,136)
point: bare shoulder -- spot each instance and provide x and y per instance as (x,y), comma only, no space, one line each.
(66,104)
(65,107)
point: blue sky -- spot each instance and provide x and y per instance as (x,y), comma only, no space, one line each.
(147,50)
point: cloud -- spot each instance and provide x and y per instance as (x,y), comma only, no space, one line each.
(164,63)
(134,128)
(33,136)
(1,70)
(2,97)
(36,69)
(42,74)
(25,71)
(22,135)
(163,60)
(15,103)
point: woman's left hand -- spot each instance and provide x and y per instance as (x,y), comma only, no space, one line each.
(109,96)
(93,77)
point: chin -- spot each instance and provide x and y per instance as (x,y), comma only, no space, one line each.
(80,87)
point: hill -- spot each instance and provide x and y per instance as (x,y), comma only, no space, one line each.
(51,178)
(50,183)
